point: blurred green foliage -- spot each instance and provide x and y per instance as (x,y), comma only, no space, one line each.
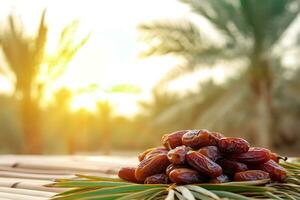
(260,103)
(28,61)
(250,34)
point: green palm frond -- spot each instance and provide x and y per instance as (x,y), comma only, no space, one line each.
(248,27)
(223,106)
(25,55)
(202,108)
(168,37)
(66,50)
(225,15)
(89,188)
(270,19)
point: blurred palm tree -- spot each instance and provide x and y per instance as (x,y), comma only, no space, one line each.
(27,59)
(249,31)
(160,101)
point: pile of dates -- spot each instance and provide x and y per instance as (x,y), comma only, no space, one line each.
(201,156)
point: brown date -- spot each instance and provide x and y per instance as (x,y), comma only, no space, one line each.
(144,153)
(231,166)
(217,135)
(156,151)
(220,179)
(277,173)
(186,176)
(172,140)
(203,164)
(177,155)
(157,179)
(255,155)
(251,175)
(233,145)
(212,152)
(275,157)
(128,174)
(198,138)
(154,165)
(172,166)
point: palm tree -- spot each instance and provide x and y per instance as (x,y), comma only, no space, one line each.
(249,32)
(27,59)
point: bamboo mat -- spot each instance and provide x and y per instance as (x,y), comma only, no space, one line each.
(24,177)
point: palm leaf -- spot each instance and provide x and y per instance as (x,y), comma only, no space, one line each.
(233,190)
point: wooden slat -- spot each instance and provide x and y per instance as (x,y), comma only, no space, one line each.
(25,177)
(32,186)
(12,196)
(34,171)
(27,192)
(34,176)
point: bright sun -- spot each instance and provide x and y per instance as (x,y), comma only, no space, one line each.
(111,55)
(83,101)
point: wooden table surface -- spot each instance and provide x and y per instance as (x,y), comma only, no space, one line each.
(23,177)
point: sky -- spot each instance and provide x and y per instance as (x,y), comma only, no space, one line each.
(110,57)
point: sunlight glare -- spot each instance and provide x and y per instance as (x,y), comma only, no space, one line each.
(84,101)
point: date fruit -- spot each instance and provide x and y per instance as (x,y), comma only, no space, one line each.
(156,151)
(198,138)
(157,179)
(233,145)
(217,135)
(128,174)
(172,140)
(251,175)
(277,173)
(172,166)
(197,156)
(212,152)
(177,155)
(255,155)
(154,165)
(231,166)
(142,155)
(275,157)
(186,176)
(203,164)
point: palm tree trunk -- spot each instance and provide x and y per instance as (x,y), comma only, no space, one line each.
(261,82)
(106,128)
(30,124)
(264,118)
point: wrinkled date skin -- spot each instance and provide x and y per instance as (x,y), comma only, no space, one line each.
(233,145)
(220,179)
(217,135)
(154,165)
(255,155)
(157,179)
(231,166)
(144,153)
(172,140)
(186,176)
(128,174)
(212,152)
(274,157)
(277,173)
(203,164)
(177,155)
(156,151)
(172,166)
(198,138)
(251,175)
